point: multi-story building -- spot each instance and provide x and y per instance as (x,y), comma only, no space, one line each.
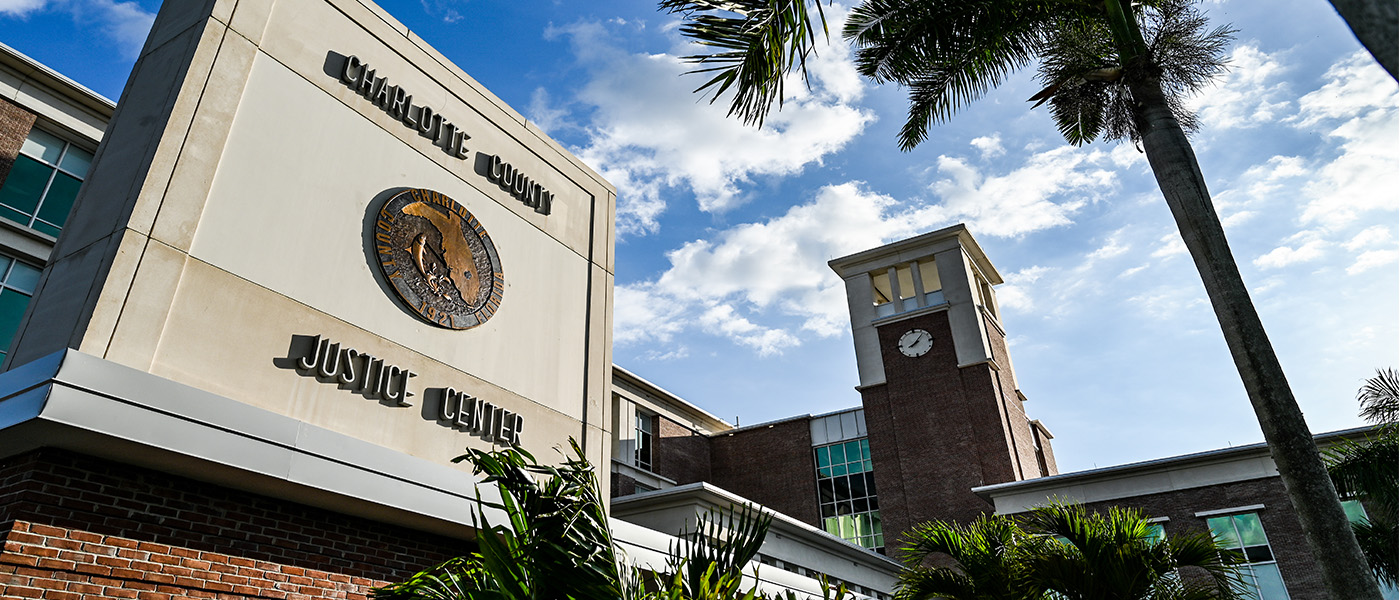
(274,313)
(49,128)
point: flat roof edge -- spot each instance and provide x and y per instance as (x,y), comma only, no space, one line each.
(1158,464)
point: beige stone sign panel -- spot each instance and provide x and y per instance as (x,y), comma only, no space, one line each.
(230,218)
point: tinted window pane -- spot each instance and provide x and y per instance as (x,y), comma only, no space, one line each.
(1355,512)
(838,455)
(12,305)
(853,450)
(25,184)
(42,145)
(1251,531)
(60,199)
(1270,582)
(823,457)
(838,470)
(14,215)
(843,488)
(46,228)
(858,487)
(865,449)
(76,161)
(1224,531)
(23,276)
(1258,553)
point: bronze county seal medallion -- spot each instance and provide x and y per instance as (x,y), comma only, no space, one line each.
(438,258)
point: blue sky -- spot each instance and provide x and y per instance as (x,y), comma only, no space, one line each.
(723,292)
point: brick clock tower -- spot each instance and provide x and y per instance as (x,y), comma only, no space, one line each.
(942,407)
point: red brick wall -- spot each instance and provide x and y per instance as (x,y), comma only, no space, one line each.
(1281,526)
(681,454)
(622,485)
(1016,425)
(772,465)
(80,527)
(935,430)
(15,123)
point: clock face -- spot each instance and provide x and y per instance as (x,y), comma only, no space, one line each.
(915,342)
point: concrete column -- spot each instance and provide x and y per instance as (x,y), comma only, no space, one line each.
(919,298)
(860,300)
(969,335)
(894,289)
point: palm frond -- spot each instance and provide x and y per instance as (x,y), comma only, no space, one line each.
(1368,469)
(756,43)
(1380,544)
(947,53)
(1380,397)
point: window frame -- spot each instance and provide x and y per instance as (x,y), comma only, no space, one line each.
(832,478)
(56,168)
(1248,567)
(649,446)
(7,285)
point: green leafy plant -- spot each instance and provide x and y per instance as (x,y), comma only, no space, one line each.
(1062,551)
(556,544)
(1369,470)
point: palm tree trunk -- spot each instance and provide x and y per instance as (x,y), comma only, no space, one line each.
(1373,22)
(1291,444)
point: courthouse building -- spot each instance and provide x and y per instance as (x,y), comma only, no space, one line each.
(298,268)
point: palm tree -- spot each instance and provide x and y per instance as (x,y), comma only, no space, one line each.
(1113,69)
(987,555)
(1063,552)
(1118,556)
(1370,470)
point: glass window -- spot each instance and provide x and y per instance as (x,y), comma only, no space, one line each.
(17,282)
(43,182)
(644,441)
(1245,534)
(846,493)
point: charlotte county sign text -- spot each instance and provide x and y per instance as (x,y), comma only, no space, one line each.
(398,103)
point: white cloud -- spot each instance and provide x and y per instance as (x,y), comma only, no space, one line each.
(989,146)
(1371,259)
(1166,302)
(545,114)
(736,284)
(649,132)
(20,8)
(1170,245)
(1111,248)
(124,23)
(1376,234)
(1015,295)
(1356,107)
(1043,193)
(1283,256)
(1250,93)
(722,319)
(443,9)
(640,315)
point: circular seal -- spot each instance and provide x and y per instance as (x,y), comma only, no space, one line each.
(439,259)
